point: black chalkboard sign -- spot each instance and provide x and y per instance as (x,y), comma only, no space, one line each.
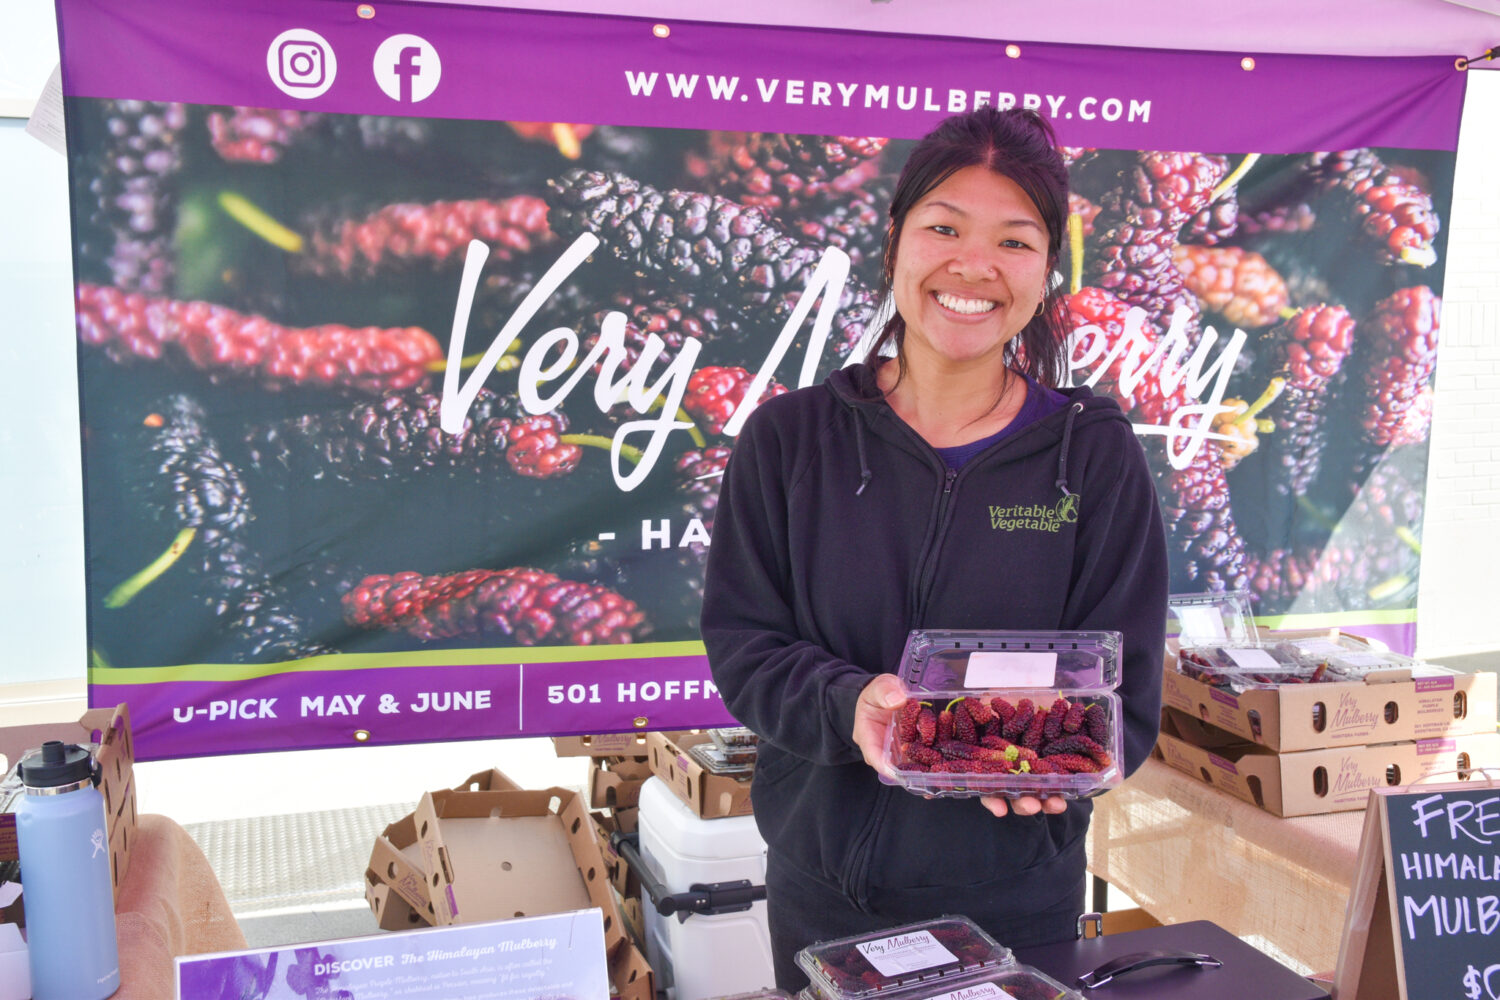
(1424,916)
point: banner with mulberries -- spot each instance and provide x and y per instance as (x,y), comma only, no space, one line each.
(413,337)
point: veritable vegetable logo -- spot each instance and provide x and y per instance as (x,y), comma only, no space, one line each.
(1035,516)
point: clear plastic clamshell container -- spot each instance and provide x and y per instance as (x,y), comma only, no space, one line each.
(715,761)
(1348,658)
(1021,982)
(1212,618)
(934,955)
(1008,713)
(1218,644)
(738,744)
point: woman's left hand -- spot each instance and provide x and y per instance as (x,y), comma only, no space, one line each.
(1026,805)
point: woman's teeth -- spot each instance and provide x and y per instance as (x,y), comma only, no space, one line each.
(968,307)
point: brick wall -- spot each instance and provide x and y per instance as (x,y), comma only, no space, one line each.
(1458,609)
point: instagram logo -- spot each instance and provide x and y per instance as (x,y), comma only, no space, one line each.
(301,63)
(407,68)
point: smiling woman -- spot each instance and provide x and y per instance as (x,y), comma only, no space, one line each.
(853,512)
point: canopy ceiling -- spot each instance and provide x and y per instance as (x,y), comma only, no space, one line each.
(1316,27)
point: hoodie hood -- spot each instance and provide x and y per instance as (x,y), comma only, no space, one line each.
(857,388)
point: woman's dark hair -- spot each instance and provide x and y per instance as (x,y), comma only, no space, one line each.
(1016,143)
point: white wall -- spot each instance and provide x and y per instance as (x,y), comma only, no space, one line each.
(41,483)
(41,546)
(1456,610)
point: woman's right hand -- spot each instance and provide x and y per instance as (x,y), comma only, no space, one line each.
(878,703)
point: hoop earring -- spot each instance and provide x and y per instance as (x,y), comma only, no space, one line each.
(1041,307)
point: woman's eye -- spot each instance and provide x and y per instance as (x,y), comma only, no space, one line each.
(1014,244)
(944,230)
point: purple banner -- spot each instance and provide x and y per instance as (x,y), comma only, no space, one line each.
(329,708)
(319,55)
(394,419)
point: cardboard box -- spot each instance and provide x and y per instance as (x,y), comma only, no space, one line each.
(392,913)
(604,745)
(615,782)
(396,859)
(630,975)
(493,780)
(1306,782)
(114,754)
(626,820)
(494,855)
(1384,708)
(622,878)
(710,796)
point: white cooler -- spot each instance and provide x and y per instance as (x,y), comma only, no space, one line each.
(703,954)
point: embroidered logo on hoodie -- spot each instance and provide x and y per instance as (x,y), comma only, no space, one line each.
(1034,516)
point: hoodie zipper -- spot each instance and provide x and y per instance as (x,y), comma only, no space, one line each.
(856,870)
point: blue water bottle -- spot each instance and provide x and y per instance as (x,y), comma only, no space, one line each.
(65,881)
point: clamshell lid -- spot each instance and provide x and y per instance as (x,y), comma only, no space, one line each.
(952,659)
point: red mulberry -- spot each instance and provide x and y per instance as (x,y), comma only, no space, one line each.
(528,606)
(1020,721)
(906,721)
(220,340)
(1055,715)
(1096,724)
(979,711)
(714,394)
(927,725)
(1032,738)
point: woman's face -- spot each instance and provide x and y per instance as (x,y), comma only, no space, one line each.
(971,268)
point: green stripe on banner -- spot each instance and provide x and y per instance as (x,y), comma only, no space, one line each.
(1339,619)
(377,661)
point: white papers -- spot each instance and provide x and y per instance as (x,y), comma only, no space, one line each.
(46,121)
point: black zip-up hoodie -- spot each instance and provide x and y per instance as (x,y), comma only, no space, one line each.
(839,530)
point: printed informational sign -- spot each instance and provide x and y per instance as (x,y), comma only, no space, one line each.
(412,346)
(1424,918)
(559,955)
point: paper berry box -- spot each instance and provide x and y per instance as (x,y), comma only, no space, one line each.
(1008,713)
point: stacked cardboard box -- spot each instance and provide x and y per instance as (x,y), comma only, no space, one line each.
(709,795)
(1301,748)
(618,766)
(489,850)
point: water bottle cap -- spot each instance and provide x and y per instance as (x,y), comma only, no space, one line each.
(57,763)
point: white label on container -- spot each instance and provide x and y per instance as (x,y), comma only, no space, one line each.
(979,991)
(1200,625)
(1349,659)
(1254,659)
(994,668)
(1319,647)
(902,953)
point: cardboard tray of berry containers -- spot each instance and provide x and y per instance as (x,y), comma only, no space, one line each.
(1007,713)
(1312,689)
(1307,782)
(947,958)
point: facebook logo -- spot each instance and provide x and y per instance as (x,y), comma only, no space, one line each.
(407,68)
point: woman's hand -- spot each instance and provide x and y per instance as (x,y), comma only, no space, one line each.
(878,702)
(1026,805)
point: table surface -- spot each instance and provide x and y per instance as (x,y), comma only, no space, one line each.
(1186,851)
(170,904)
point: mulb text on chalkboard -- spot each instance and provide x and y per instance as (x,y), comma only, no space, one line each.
(1464,822)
